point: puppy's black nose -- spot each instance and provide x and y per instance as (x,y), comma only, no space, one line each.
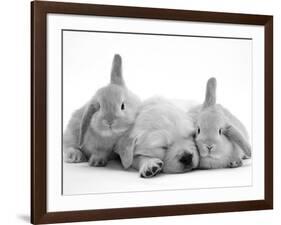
(186,159)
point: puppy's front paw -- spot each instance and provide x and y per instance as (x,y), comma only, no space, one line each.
(73,155)
(235,164)
(150,168)
(97,161)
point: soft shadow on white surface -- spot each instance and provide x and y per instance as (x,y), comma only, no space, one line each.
(81,179)
(25,218)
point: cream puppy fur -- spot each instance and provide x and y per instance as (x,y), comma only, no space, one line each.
(161,139)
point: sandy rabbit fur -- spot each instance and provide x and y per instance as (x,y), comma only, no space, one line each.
(221,138)
(94,129)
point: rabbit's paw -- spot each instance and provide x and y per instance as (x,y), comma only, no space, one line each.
(73,155)
(150,168)
(235,164)
(97,161)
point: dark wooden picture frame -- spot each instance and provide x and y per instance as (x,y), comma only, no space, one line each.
(39,11)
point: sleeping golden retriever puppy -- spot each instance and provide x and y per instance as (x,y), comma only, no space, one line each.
(161,139)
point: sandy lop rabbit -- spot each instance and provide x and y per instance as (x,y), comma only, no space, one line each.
(221,138)
(94,129)
(160,140)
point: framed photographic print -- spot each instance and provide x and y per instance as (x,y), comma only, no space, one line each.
(143,112)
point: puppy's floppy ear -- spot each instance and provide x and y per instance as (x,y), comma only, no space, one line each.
(210,97)
(89,111)
(116,71)
(125,149)
(234,135)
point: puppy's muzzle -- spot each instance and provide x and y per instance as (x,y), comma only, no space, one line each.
(186,159)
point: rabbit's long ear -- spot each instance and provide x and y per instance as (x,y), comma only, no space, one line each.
(210,98)
(116,71)
(234,135)
(89,111)
(125,149)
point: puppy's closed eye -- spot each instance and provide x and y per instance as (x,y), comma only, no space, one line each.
(165,147)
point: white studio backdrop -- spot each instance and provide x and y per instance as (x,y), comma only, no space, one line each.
(170,66)
(176,67)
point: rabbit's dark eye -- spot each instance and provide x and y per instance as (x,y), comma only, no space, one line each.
(122,106)
(220,130)
(198,130)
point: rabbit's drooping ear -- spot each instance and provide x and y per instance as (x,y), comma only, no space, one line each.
(235,136)
(125,149)
(91,108)
(210,98)
(116,71)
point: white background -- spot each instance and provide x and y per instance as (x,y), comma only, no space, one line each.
(15,86)
(173,67)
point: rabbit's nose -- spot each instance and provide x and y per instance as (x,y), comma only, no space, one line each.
(210,147)
(108,122)
(186,159)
